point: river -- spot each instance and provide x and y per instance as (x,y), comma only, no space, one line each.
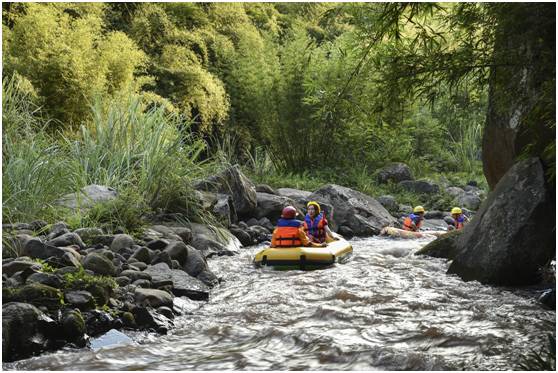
(384,309)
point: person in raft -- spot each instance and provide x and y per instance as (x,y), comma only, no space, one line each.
(315,224)
(457,220)
(289,231)
(414,220)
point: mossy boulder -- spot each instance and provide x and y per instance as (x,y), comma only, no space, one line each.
(36,294)
(73,326)
(442,247)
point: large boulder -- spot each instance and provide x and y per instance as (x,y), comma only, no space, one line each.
(221,205)
(357,211)
(121,242)
(22,331)
(168,232)
(469,200)
(512,235)
(152,298)
(419,186)
(213,241)
(184,285)
(67,239)
(35,248)
(271,205)
(395,173)
(87,197)
(20,264)
(99,264)
(443,246)
(299,196)
(36,294)
(232,181)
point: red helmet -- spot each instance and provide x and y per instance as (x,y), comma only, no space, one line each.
(289,212)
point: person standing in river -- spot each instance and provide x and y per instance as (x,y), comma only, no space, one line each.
(414,220)
(289,231)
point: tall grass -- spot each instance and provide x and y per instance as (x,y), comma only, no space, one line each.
(148,156)
(126,146)
(34,167)
(466,146)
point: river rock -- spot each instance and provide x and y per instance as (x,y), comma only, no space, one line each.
(346,232)
(196,263)
(548,298)
(135,275)
(18,265)
(419,186)
(171,233)
(67,239)
(183,283)
(97,322)
(511,236)
(87,197)
(389,203)
(395,173)
(271,205)
(221,205)
(146,318)
(22,333)
(158,244)
(264,188)
(442,247)
(301,197)
(469,200)
(153,298)
(162,257)
(362,213)
(57,229)
(142,255)
(35,248)
(121,242)
(89,235)
(232,181)
(73,326)
(244,237)
(455,191)
(214,241)
(36,294)
(177,250)
(80,298)
(99,264)
(45,279)
(122,281)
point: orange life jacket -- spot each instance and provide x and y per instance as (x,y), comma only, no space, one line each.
(407,223)
(287,237)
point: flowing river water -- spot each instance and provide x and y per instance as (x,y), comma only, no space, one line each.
(384,309)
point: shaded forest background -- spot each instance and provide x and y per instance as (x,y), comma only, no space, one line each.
(147,97)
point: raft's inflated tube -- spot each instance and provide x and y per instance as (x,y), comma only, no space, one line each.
(401,233)
(305,257)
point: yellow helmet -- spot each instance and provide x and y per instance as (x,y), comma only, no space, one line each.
(316,204)
(456,210)
(418,209)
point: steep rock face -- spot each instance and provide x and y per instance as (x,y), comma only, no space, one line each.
(512,235)
(361,213)
(232,182)
(522,87)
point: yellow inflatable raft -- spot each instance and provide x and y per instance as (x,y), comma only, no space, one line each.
(396,232)
(305,257)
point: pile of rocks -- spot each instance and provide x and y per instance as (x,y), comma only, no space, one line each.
(61,287)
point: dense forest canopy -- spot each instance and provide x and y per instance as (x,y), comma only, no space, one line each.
(338,88)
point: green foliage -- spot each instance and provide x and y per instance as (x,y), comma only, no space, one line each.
(62,50)
(81,279)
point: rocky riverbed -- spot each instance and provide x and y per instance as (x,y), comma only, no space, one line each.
(61,287)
